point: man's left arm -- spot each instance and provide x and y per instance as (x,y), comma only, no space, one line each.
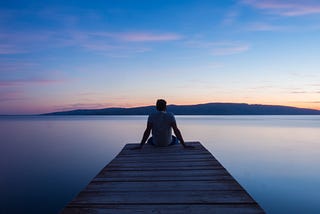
(146,134)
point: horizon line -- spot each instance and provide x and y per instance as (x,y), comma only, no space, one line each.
(141,106)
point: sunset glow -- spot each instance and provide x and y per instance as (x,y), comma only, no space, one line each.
(97,54)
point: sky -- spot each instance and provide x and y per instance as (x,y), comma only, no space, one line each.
(62,55)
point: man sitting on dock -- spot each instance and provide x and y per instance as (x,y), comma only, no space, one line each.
(161,123)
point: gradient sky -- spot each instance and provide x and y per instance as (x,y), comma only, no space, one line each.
(61,55)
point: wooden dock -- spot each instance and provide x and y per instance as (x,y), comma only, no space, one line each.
(163,180)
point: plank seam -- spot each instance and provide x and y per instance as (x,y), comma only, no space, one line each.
(79,204)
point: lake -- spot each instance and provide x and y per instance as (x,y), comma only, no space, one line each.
(46,160)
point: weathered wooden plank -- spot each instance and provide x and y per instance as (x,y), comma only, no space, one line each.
(166,155)
(164,186)
(166,197)
(208,164)
(159,168)
(173,157)
(163,159)
(163,180)
(163,173)
(169,178)
(196,145)
(165,208)
(176,158)
(174,150)
(150,154)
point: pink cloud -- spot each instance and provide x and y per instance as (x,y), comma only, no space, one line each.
(111,43)
(148,37)
(8,83)
(11,96)
(139,36)
(9,65)
(16,42)
(287,7)
(220,48)
(265,27)
(114,50)
(229,49)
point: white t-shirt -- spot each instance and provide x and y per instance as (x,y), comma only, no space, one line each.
(161,127)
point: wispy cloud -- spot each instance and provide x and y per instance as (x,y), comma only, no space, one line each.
(11,96)
(315,84)
(312,102)
(220,48)
(262,87)
(286,7)
(10,49)
(229,49)
(147,37)
(114,50)
(302,91)
(298,92)
(115,44)
(230,17)
(8,65)
(103,42)
(140,36)
(265,27)
(17,42)
(8,83)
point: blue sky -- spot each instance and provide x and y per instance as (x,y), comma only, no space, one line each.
(59,55)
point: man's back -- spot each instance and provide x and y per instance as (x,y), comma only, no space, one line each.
(161,123)
(161,127)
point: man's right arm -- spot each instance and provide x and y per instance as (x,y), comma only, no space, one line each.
(179,135)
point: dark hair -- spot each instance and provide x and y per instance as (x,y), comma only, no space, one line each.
(161,105)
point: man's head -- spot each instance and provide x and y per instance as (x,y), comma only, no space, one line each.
(161,105)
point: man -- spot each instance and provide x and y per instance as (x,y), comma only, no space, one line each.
(161,123)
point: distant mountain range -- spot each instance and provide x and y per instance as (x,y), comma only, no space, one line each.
(200,109)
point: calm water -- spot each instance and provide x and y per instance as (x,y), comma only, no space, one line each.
(46,161)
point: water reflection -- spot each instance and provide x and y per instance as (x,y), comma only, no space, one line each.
(46,161)
(274,158)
